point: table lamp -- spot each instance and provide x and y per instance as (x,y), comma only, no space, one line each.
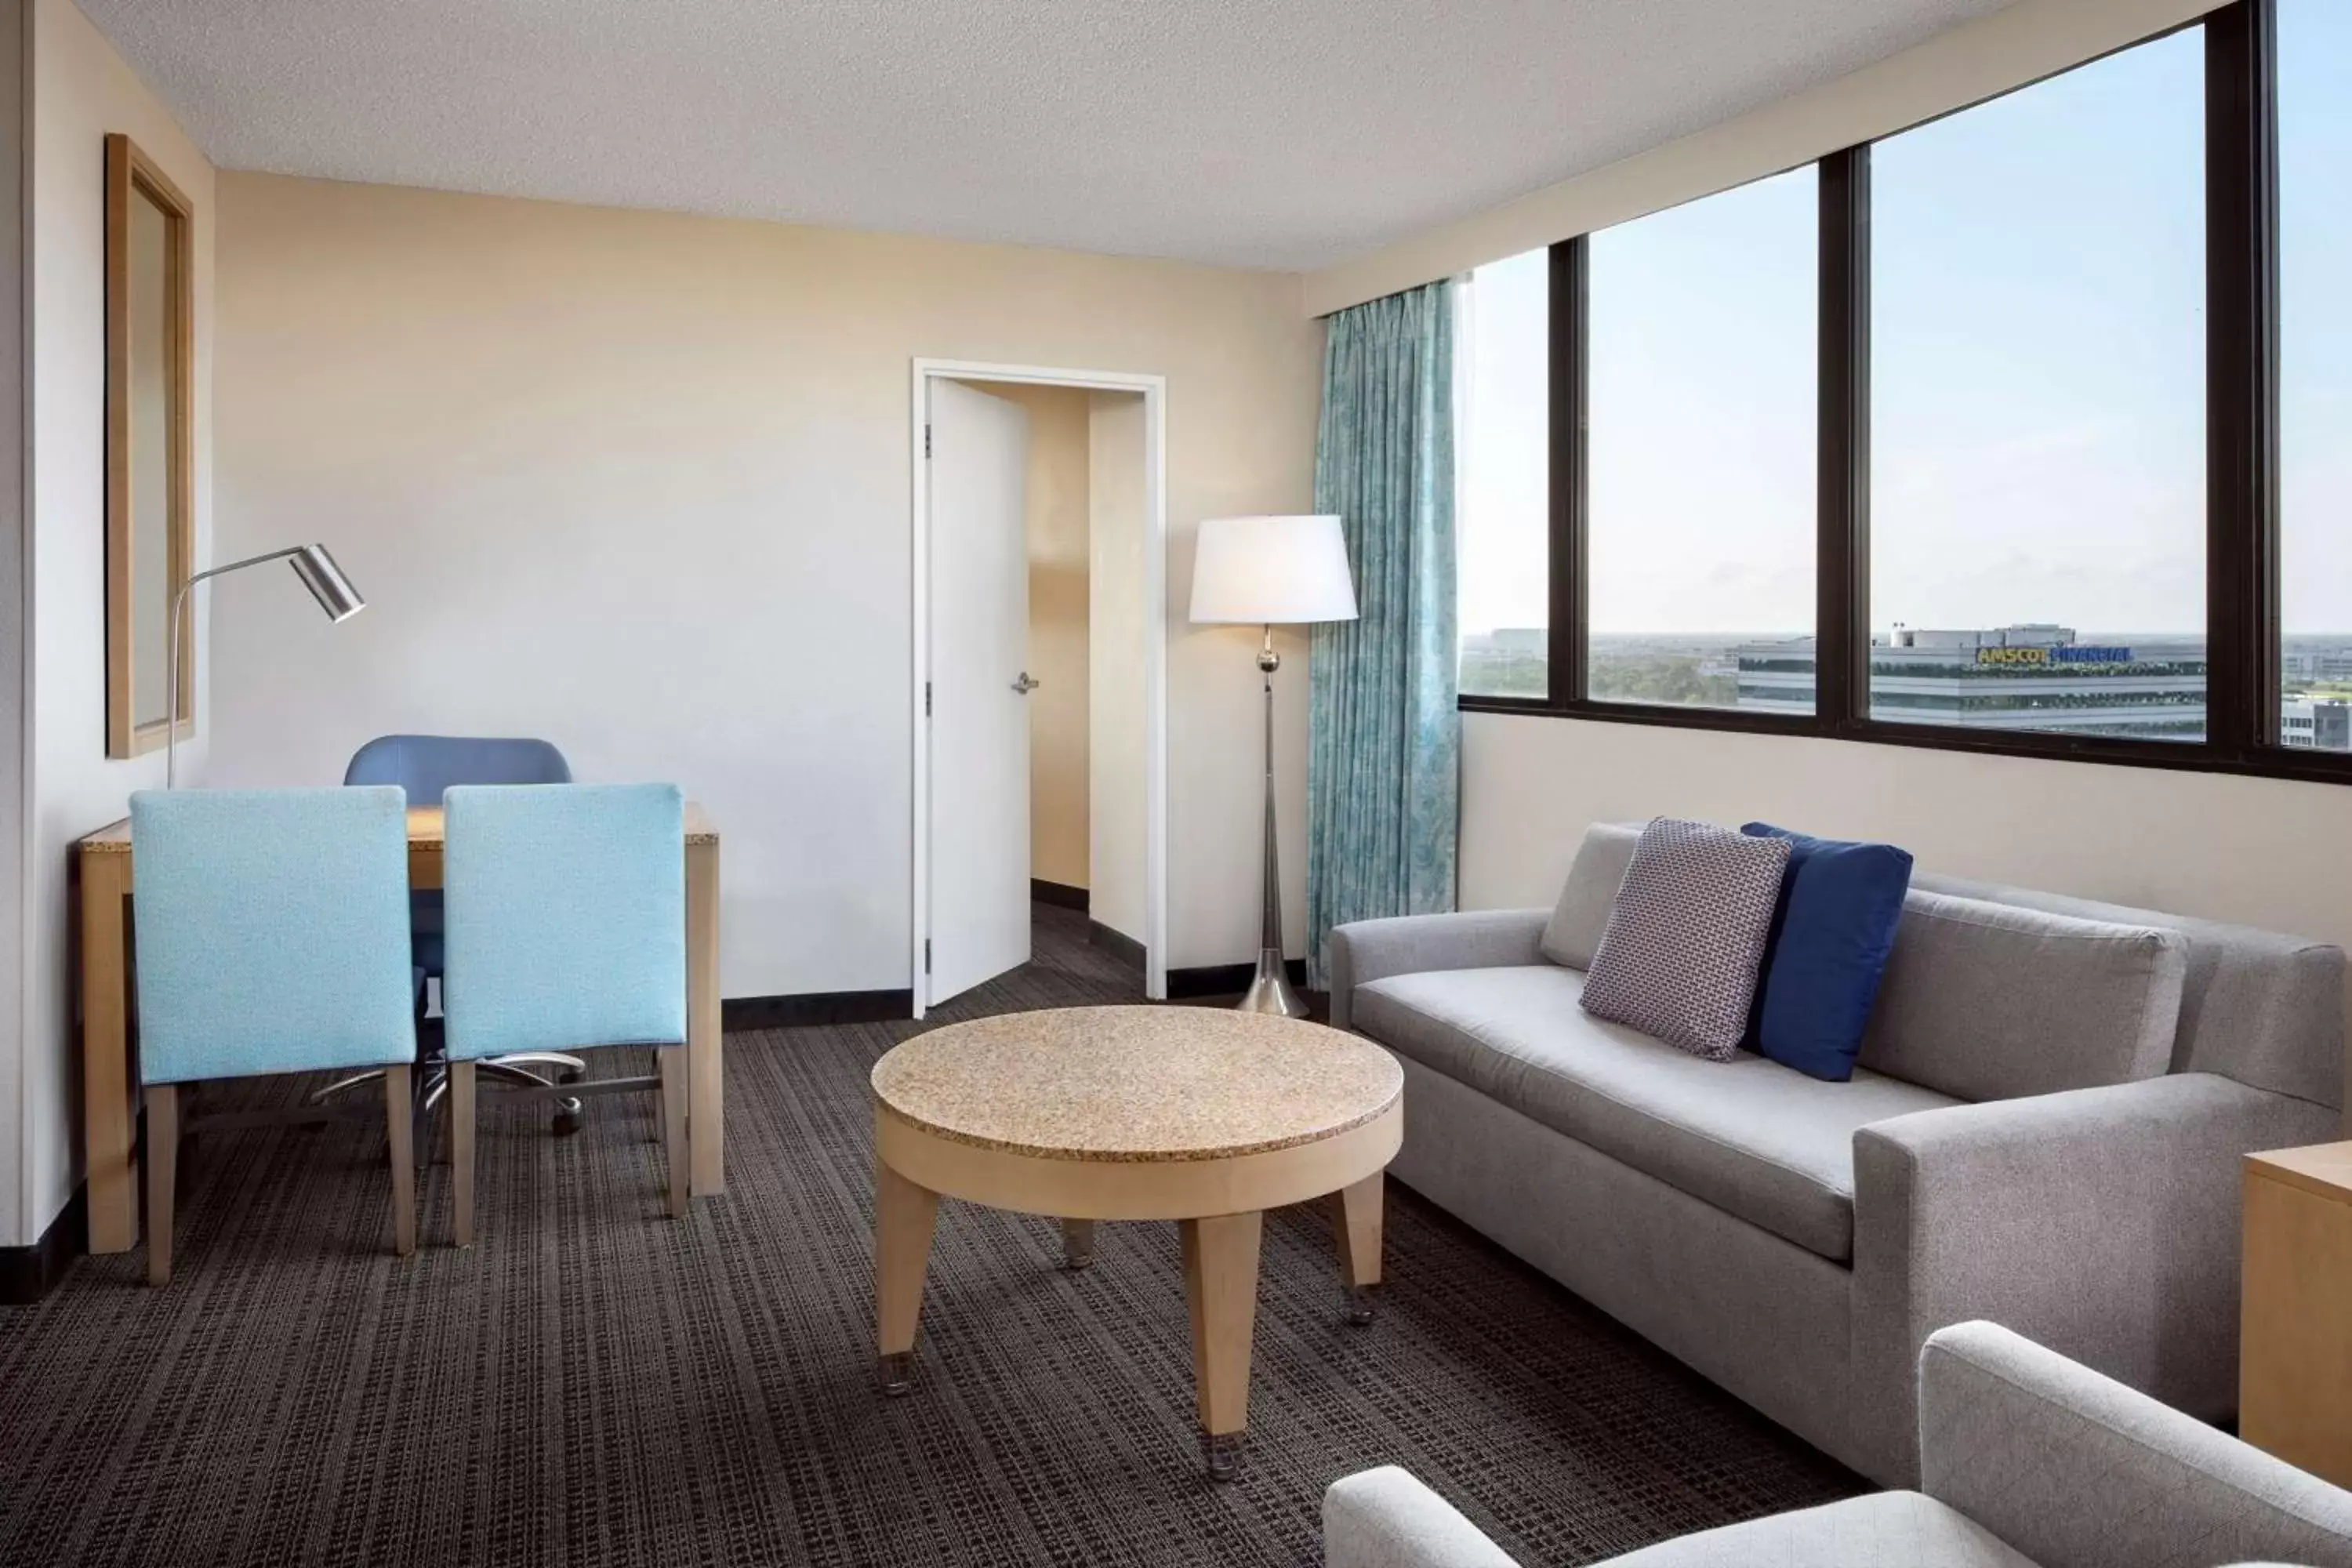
(1269,571)
(318,572)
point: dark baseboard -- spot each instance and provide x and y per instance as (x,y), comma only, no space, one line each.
(1118,943)
(1224,979)
(1061,895)
(28,1273)
(815,1007)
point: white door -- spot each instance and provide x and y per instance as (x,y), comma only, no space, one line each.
(980,708)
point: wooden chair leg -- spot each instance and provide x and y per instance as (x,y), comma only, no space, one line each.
(163,1171)
(461,1148)
(399,1127)
(672,1062)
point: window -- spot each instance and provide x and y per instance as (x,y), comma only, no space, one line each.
(2037,407)
(1502,525)
(1700,407)
(2314,156)
(1960,438)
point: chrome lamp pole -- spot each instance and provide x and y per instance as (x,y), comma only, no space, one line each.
(1271,571)
(318,574)
(1269,989)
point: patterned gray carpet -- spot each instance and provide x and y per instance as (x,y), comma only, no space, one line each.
(596,1387)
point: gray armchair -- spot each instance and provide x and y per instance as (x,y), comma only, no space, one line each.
(2027,1460)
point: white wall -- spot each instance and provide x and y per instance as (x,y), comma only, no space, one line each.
(2264,852)
(639,483)
(1118,517)
(81,90)
(2020,43)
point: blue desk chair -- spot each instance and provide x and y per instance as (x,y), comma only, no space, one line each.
(566,928)
(272,931)
(426,766)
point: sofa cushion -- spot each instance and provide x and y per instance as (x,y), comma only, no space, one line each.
(1991,1001)
(2260,1006)
(1884,1529)
(1840,903)
(1685,941)
(1573,935)
(1758,1140)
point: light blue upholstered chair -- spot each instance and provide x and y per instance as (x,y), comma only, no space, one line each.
(426,766)
(272,932)
(566,928)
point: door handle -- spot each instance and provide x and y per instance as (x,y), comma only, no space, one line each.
(1026,684)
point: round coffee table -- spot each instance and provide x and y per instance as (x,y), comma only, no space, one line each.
(1206,1117)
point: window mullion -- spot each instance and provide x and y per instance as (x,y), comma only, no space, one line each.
(1569,473)
(2241,380)
(1842,554)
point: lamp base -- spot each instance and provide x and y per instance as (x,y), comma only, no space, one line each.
(1269,989)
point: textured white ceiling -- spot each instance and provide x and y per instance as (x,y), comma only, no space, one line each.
(1287,134)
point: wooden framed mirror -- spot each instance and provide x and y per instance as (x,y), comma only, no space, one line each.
(149,447)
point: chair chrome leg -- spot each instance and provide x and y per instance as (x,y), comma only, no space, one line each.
(567,1109)
(496,1066)
(320,1096)
(571,1066)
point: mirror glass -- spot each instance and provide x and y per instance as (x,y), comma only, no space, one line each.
(151,543)
(150,457)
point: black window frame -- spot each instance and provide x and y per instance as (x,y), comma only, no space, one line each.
(2241,368)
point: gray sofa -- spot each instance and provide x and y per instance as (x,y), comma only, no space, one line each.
(2030,1461)
(2044,1130)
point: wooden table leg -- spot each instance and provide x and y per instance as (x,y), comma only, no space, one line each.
(1356,1221)
(903,1215)
(1077,1244)
(1221,1285)
(109,1098)
(706,1115)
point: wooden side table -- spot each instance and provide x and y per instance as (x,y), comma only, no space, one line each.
(2294,1352)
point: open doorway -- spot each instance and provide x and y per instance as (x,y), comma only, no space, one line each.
(1039,699)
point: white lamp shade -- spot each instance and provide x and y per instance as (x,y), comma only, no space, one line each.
(1258,571)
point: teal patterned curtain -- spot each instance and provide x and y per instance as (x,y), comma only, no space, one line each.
(1384,740)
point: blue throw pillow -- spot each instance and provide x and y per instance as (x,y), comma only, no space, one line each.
(1827,948)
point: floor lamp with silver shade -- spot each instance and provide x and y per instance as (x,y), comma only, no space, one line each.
(318,574)
(1269,571)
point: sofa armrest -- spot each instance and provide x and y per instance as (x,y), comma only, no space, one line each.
(2070,1468)
(2100,1222)
(1385,1518)
(1366,951)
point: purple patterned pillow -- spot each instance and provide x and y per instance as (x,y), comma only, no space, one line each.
(1679,956)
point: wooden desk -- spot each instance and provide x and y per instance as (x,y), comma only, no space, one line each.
(2294,1350)
(110,1088)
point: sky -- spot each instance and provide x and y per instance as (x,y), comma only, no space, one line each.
(2038,373)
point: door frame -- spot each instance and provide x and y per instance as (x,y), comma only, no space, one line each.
(1154,389)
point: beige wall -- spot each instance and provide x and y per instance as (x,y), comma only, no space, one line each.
(1057,527)
(2021,43)
(2259,851)
(1117,485)
(639,483)
(81,90)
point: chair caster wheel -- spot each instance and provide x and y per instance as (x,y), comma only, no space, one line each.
(567,1122)
(570,1074)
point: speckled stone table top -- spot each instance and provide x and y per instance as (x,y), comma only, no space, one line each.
(1137,1083)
